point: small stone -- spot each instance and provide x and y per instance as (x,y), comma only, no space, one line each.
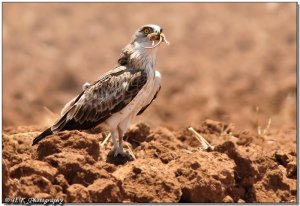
(241,201)
(227,199)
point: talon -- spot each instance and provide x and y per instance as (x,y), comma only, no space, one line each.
(119,151)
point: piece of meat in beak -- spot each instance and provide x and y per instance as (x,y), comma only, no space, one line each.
(158,37)
(154,36)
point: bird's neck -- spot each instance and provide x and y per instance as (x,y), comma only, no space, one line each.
(138,57)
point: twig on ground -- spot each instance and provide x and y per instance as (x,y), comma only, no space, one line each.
(257,121)
(105,140)
(187,151)
(130,150)
(265,131)
(225,131)
(267,127)
(204,145)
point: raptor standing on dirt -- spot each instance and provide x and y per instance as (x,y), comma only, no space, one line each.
(119,95)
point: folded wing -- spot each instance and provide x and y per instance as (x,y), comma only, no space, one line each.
(101,99)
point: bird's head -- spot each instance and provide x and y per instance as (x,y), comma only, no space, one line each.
(149,37)
(142,49)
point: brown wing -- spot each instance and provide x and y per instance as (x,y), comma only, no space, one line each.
(103,98)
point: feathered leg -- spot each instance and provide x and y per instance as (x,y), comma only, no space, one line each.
(114,136)
(123,126)
(117,149)
(121,134)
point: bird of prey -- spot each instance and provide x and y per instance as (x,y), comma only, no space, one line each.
(119,95)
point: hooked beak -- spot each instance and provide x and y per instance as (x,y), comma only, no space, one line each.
(158,37)
(154,36)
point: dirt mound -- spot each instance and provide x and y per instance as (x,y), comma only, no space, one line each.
(169,166)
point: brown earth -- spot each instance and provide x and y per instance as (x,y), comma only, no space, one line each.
(231,62)
(169,166)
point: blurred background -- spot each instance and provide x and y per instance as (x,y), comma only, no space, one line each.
(232,62)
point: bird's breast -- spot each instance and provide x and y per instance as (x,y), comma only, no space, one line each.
(143,98)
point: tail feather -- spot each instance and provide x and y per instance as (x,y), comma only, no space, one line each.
(46,133)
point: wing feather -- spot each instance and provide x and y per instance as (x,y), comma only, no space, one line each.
(101,99)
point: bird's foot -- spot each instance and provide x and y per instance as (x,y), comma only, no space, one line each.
(118,157)
(119,151)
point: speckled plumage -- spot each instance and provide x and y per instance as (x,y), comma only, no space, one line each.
(118,96)
(103,98)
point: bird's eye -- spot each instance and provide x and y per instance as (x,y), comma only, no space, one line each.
(147,31)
